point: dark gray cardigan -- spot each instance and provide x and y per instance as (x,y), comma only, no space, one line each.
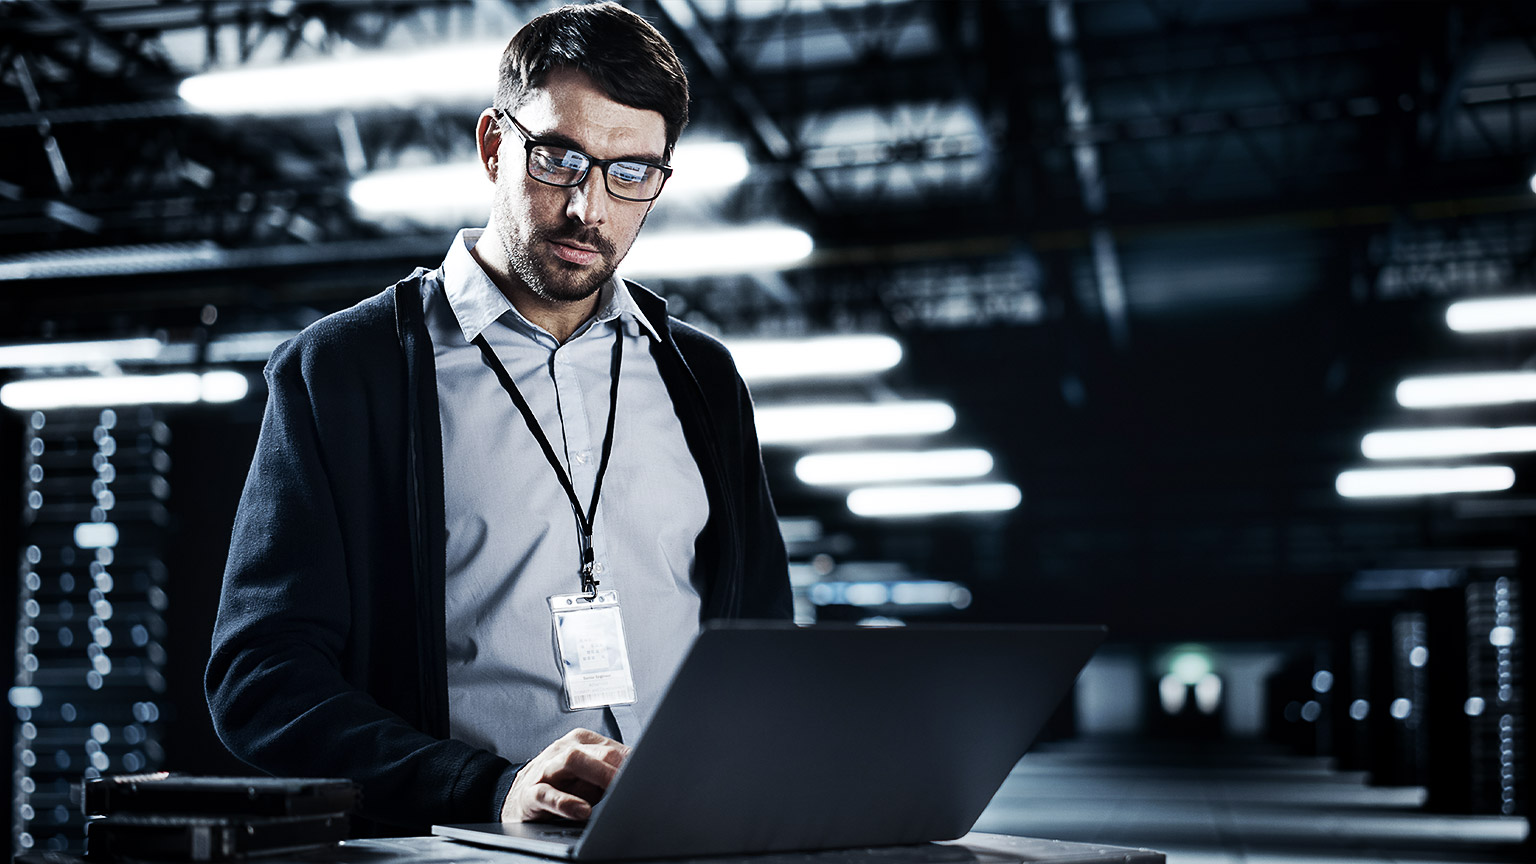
(328,656)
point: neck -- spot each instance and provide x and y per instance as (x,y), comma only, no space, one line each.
(559,318)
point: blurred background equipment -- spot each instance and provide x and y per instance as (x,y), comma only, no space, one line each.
(90,654)
(163,816)
(1207,321)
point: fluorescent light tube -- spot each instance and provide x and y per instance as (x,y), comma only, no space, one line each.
(176,388)
(1486,388)
(825,357)
(448,193)
(44,355)
(798,424)
(457,192)
(855,469)
(920,592)
(463,73)
(714,252)
(1492,314)
(706,166)
(916,592)
(897,502)
(224,387)
(1432,443)
(113,260)
(1402,482)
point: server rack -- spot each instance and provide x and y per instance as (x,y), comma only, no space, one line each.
(1495,700)
(1350,705)
(89,683)
(1397,706)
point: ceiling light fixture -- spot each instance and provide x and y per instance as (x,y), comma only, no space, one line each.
(175,388)
(1448,391)
(1405,482)
(445,194)
(902,502)
(53,355)
(715,252)
(856,469)
(1492,314)
(1433,443)
(803,424)
(463,73)
(707,166)
(823,357)
(112,260)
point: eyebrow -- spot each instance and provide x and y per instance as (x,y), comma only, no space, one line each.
(570,143)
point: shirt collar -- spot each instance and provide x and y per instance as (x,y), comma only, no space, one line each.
(477,303)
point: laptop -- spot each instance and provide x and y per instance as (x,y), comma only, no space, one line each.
(776,738)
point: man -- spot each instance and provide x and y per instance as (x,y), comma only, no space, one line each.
(490,506)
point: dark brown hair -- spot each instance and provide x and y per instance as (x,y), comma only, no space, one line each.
(620,51)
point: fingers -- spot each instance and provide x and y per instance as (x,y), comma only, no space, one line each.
(566,779)
(551,802)
(541,801)
(586,755)
(588,792)
(587,763)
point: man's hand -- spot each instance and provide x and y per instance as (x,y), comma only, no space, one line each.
(566,779)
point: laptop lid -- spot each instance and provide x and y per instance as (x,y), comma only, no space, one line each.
(773,737)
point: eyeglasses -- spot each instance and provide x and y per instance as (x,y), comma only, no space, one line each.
(629,179)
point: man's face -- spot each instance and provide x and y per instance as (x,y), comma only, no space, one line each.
(564,243)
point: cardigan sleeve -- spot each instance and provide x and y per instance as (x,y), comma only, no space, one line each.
(283,693)
(756,571)
(765,591)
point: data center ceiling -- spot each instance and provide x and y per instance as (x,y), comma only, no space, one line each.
(1167,260)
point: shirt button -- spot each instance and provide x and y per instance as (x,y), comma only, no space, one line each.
(598,567)
(582,458)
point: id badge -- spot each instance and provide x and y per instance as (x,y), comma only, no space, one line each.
(589,646)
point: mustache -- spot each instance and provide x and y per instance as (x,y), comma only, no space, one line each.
(573,232)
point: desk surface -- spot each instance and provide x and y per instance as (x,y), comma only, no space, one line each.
(974,848)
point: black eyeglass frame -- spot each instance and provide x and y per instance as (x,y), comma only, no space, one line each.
(530,142)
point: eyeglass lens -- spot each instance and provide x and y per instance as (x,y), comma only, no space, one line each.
(562,167)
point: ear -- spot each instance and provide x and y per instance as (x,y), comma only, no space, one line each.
(488,142)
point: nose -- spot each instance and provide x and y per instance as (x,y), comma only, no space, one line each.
(588,202)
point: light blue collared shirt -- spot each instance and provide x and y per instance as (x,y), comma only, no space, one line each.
(513,539)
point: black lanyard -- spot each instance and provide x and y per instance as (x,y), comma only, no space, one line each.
(588,583)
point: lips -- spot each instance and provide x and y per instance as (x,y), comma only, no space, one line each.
(574,254)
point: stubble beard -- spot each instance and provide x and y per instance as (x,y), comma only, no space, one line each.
(552,280)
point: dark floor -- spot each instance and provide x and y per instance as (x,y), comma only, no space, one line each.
(1234,804)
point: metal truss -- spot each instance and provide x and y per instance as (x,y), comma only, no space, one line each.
(886,125)
(1287,109)
(103,153)
(969,174)
(1464,256)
